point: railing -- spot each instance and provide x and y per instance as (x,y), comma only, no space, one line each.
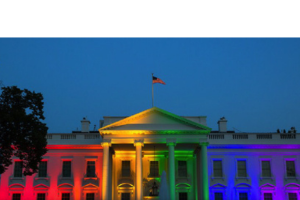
(239,136)
(74,138)
(254,138)
(92,136)
(68,136)
(287,136)
(263,136)
(48,137)
(214,137)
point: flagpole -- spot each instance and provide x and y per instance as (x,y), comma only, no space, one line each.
(152,91)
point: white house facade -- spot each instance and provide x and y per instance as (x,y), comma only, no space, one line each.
(126,158)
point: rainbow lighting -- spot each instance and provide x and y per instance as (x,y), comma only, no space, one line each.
(125,158)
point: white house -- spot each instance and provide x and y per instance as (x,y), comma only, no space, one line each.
(125,158)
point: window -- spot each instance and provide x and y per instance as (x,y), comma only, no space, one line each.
(18,169)
(90,169)
(293,196)
(182,168)
(266,168)
(290,168)
(90,196)
(268,196)
(125,196)
(154,169)
(218,196)
(65,196)
(183,196)
(243,196)
(16,196)
(66,169)
(125,168)
(242,172)
(41,196)
(43,169)
(218,171)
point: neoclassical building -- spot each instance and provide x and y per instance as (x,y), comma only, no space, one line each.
(129,157)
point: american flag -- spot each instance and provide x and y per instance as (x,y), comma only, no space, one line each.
(157,80)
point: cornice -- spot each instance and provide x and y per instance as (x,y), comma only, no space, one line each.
(74,146)
(154,132)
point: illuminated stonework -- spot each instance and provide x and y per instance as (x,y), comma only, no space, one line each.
(130,154)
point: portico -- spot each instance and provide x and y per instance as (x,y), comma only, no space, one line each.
(180,145)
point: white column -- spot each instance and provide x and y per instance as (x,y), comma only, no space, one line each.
(105,171)
(205,192)
(138,169)
(171,144)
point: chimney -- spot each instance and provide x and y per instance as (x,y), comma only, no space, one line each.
(85,125)
(222,125)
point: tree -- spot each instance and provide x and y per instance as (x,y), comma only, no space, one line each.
(22,134)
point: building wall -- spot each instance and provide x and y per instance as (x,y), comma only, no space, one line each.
(255,185)
(54,185)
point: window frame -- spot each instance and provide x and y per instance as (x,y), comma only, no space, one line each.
(12,196)
(237,168)
(38,174)
(244,192)
(157,171)
(213,168)
(14,171)
(37,194)
(85,195)
(187,195)
(261,168)
(186,169)
(129,175)
(214,197)
(288,195)
(295,167)
(62,168)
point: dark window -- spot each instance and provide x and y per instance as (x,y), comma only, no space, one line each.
(293,196)
(125,196)
(242,171)
(43,169)
(182,168)
(41,196)
(90,169)
(266,168)
(183,196)
(125,168)
(65,196)
(154,169)
(90,196)
(290,169)
(268,196)
(218,196)
(18,169)
(66,168)
(243,196)
(218,170)
(16,197)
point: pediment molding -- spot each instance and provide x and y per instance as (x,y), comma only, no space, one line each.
(151,125)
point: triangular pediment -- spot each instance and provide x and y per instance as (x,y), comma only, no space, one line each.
(156,120)
(218,186)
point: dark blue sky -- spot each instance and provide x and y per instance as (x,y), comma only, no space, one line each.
(254,83)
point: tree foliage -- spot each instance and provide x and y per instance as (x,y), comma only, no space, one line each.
(22,133)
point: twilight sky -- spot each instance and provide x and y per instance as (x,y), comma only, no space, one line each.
(254,83)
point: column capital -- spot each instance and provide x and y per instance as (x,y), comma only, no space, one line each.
(171,142)
(204,144)
(137,142)
(106,143)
